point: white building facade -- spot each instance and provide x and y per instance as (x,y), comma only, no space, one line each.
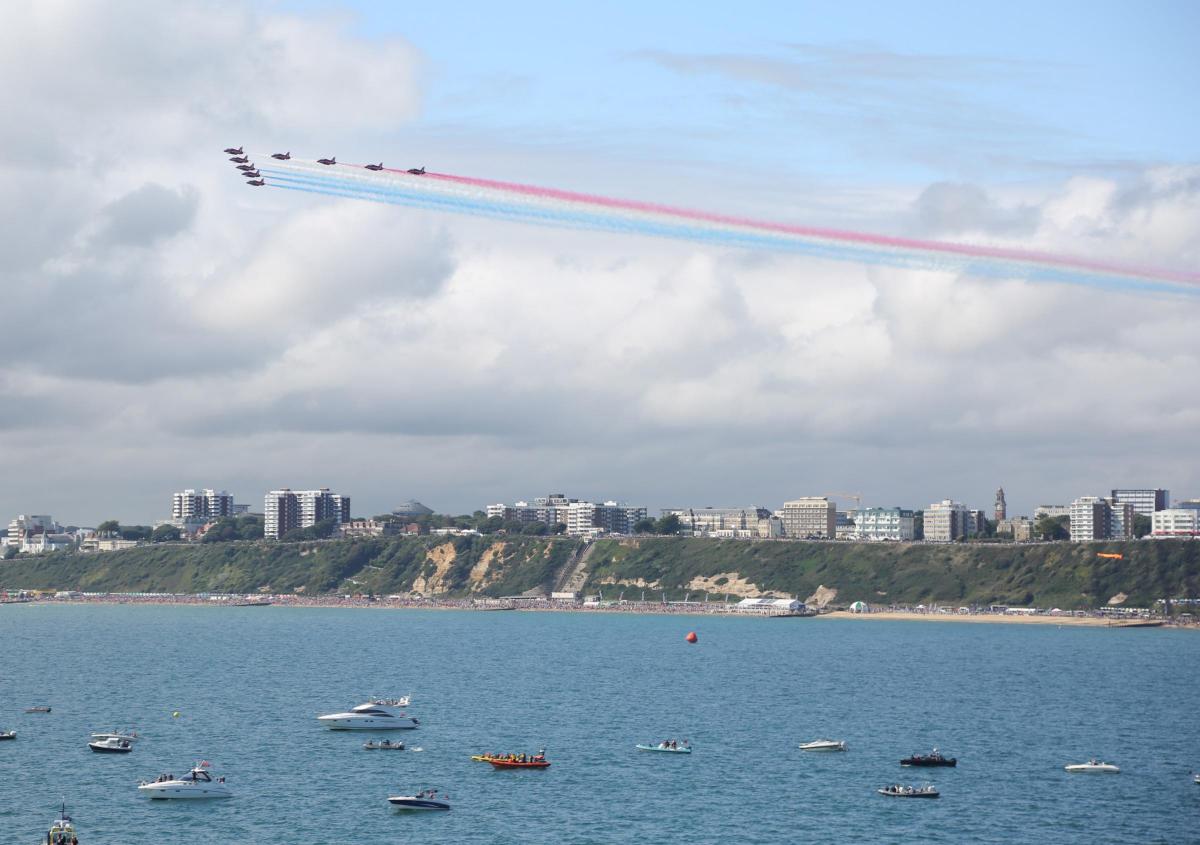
(884,524)
(1175,522)
(1089,519)
(201,505)
(285,510)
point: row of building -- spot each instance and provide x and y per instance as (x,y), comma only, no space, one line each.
(581,518)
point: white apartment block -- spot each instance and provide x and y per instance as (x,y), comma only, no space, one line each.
(286,509)
(1051,511)
(201,505)
(947,521)
(884,524)
(1089,519)
(25,530)
(810,517)
(1175,522)
(582,519)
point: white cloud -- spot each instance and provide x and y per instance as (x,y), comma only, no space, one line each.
(165,325)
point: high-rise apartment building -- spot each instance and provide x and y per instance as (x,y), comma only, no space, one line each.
(1145,502)
(947,521)
(1089,519)
(285,510)
(811,517)
(201,504)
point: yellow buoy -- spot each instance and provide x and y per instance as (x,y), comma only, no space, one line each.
(175,715)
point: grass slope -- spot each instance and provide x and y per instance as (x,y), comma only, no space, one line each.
(1067,575)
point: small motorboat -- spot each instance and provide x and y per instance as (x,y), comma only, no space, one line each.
(62,830)
(40,708)
(933,758)
(1196,779)
(823,745)
(8,735)
(197,783)
(383,745)
(668,747)
(426,799)
(1094,767)
(521,761)
(111,745)
(901,791)
(127,736)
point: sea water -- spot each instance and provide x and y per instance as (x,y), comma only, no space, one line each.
(1014,704)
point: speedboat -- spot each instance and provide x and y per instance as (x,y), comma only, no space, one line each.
(8,735)
(111,745)
(384,745)
(378,715)
(40,708)
(197,783)
(666,747)
(902,791)
(127,736)
(933,758)
(426,799)
(1094,767)
(823,745)
(62,830)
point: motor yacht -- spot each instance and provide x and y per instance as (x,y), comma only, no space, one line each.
(823,745)
(426,799)
(197,783)
(111,745)
(62,830)
(378,715)
(1094,767)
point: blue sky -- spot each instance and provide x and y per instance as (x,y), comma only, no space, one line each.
(1023,92)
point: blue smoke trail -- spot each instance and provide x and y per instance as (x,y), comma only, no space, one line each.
(348,187)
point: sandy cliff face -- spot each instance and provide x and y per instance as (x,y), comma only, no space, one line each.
(731,582)
(443,558)
(483,573)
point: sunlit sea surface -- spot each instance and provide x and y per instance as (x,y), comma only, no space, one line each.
(1014,703)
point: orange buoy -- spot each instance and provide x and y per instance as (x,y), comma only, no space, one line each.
(691,637)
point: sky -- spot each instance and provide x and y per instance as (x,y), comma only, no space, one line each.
(167,327)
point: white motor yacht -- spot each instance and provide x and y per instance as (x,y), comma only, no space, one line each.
(111,745)
(426,799)
(823,745)
(378,715)
(197,783)
(1093,766)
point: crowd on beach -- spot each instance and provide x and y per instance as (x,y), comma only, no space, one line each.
(1101,616)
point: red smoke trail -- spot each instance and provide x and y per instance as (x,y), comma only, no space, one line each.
(840,235)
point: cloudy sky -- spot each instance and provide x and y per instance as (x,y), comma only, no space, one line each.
(166,327)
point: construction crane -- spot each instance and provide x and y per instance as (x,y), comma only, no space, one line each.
(857,497)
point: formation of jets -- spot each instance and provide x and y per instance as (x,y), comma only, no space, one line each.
(249,170)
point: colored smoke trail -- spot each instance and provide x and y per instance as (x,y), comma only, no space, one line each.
(569,209)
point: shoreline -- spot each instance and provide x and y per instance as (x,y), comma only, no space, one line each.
(634,608)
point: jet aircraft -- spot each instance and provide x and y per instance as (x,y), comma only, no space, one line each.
(245,167)
(327,161)
(252,174)
(282,156)
(240,159)
(233,151)
(417,171)
(258,183)
(374,166)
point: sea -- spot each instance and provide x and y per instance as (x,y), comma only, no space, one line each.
(1013,703)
